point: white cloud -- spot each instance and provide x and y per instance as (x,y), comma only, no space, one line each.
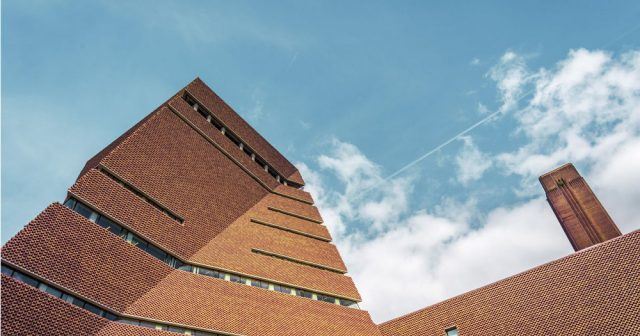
(617,181)
(471,162)
(404,260)
(511,77)
(582,110)
(585,110)
(475,61)
(483,109)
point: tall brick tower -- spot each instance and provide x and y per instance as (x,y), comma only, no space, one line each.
(582,216)
(190,222)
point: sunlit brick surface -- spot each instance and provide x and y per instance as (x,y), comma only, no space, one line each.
(72,252)
(179,183)
(28,311)
(580,213)
(592,292)
(193,204)
(219,108)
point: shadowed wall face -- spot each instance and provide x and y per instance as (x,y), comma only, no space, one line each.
(583,218)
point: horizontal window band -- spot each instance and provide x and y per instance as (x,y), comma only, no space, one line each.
(274,282)
(292,214)
(283,228)
(141,194)
(233,159)
(29,278)
(94,215)
(195,103)
(298,261)
(100,213)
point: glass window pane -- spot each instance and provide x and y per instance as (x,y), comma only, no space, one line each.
(109,225)
(282,289)
(6,270)
(304,293)
(70,203)
(110,316)
(83,210)
(211,273)
(137,241)
(26,279)
(347,303)
(238,279)
(156,252)
(452,332)
(326,298)
(78,302)
(53,291)
(92,308)
(261,284)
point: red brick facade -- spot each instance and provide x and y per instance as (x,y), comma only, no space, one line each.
(592,292)
(580,213)
(191,222)
(201,186)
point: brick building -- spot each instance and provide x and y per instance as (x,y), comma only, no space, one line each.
(192,223)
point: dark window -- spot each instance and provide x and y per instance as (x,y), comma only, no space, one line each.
(78,302)
(173,262)
(189,100)
(186,268)
(137,241)
(83,210)
(326,298)
(92,308)
(26,279)
(261,284)
(452,331)
(202,112)
(6,270)
(109,316)
(304,293)
(260,162)
(282,289)
(110,225)
(246,150)
(53,291)
(233,138)
(347,303)
(211,273)
(70,203)
(156,252)
(238,279)
(216,124)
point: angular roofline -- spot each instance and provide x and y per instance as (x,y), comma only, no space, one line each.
(503,280)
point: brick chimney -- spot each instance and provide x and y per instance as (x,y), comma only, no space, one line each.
(583,218)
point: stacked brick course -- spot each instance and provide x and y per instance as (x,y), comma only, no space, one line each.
(593,292)
(179,183)
(209,206)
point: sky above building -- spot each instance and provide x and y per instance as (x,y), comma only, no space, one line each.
(420,128)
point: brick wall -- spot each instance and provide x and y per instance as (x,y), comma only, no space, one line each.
(592,292)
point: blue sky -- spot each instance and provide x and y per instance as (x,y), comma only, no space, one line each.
(351,92)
